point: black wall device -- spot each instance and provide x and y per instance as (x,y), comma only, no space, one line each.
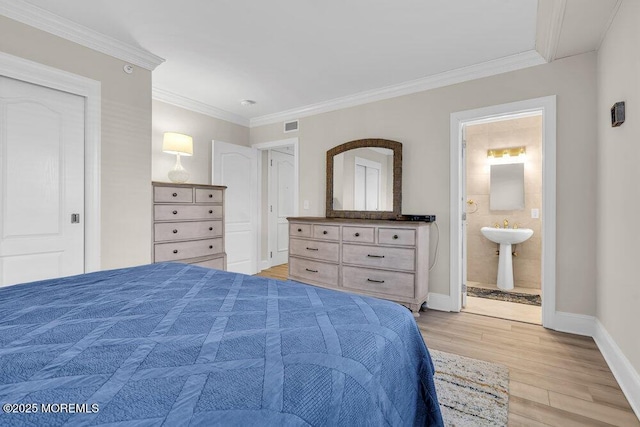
(422,218)
(617,114)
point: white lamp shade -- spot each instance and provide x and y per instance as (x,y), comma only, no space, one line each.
(177,143)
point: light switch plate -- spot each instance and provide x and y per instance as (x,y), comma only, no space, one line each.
(535,213)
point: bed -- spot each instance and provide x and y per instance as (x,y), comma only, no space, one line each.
(173,344)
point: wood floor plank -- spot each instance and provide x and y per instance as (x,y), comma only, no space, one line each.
(555,378)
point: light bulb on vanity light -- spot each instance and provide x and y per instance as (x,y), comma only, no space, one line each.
(178,144)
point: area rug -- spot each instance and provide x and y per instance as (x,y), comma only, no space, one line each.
(471,392)
(500,295)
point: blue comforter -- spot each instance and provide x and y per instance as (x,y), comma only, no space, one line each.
(178,345)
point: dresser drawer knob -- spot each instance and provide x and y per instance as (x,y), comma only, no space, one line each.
(375,281)
(175,231)
(375,256)
(175,251)
(299,230)
(312,249)
(211,196)
(175,194)
(175,212)
(210,246)
(310,270)
(395,236)
(357,234)
(325,232)
(210,211)
(210,228)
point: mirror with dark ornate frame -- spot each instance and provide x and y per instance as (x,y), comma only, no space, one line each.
(364,180)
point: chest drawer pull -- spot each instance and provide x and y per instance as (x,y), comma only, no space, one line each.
(210,196)
(210,228)
(175,231)
(312,249)
(357,234)
(210,246)
(175,251)
(210,211)
(395,236)
(375,256)
(299,230)
(310,270)
(325,232)
(175,212)
(375,281)
(175,194)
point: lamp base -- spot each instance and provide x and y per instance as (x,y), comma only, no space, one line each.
(178,174)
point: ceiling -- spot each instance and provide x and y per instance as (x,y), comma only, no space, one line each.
(291,54)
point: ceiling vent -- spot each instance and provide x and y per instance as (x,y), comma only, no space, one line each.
(291,126)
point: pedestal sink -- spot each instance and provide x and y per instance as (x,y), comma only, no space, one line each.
(506,237)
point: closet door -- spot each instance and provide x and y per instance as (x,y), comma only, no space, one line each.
(41,182)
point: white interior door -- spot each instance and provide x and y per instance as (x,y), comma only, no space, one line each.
(41,182)
(281,204)
(463,223)
(237,167)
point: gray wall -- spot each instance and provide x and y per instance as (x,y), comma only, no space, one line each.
(126,136)
(618,291)
(203,129)
(421,122)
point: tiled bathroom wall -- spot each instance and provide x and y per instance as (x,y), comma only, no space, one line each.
(482,259)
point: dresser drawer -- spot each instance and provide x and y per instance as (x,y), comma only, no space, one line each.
(217,263)
(327,251)
(204,195)
(327,232)
(300,230)
(358,234)
(182,250)
(182,212)
(394,236)
(375,256)
(165,231)
(380,281)
(314,271)
(172,195)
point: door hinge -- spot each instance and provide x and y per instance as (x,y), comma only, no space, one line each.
(271,162)
(75,218)
(270,254)
(464,288)
(270,208)
(464,216)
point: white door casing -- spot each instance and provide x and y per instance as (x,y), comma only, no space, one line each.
(237,167)
(281,202)
(463,222)
(41,182)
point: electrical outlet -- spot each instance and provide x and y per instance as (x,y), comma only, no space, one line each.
(535,213)
(306,205)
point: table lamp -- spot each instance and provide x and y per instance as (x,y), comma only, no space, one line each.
(178,144)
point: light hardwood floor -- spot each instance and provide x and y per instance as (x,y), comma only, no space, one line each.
(555,379)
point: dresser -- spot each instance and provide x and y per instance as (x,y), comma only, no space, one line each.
(188,224)
(384,259)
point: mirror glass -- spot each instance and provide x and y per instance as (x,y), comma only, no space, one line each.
(507,187)
(363,180)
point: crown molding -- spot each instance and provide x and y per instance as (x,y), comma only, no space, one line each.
(612,16)
(197,106)
(46,21)
(550,19)
(485,69)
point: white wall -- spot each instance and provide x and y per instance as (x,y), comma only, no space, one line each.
(618,234)
(203,129)
(126,136)
(421,122)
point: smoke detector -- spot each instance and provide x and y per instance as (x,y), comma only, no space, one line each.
(247,102)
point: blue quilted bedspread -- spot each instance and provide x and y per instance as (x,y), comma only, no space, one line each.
(178,345)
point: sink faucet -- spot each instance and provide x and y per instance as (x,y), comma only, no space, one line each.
(506,223)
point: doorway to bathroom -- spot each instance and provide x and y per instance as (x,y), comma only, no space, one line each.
(503,211)
(503,174)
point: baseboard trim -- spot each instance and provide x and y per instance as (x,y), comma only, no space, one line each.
(627,377)
(264,264)
(572,323)
(440,302)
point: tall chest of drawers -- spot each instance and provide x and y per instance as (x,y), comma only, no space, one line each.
(188,224)
(385,259)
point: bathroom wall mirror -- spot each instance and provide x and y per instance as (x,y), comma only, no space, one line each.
(364,179)
(507,187)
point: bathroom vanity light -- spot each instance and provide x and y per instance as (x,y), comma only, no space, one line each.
(507,155)
(178,144)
